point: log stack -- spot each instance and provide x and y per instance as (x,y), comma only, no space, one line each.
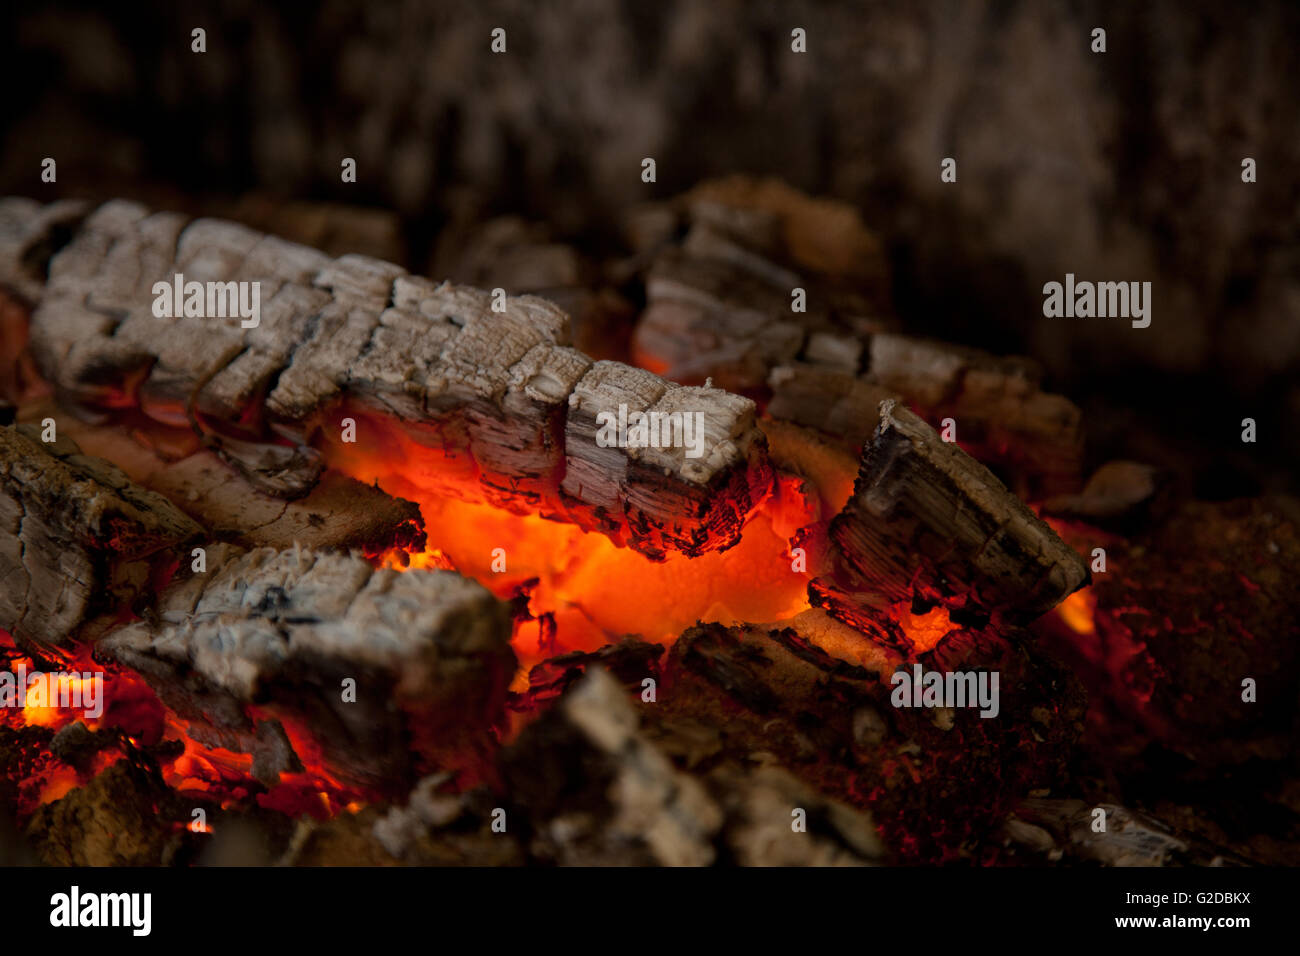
(310,672)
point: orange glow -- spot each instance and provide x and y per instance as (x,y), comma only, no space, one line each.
(57,784)
(599,592)
(926,630)
(1078,612)
(55,689)
(593,590)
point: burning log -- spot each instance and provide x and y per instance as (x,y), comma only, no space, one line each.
(485,393)
(387,669)
(79,537)
(928,525)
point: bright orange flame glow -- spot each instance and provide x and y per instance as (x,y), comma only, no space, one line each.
(926,630)
(40,707)
(594,591)
(1078,611)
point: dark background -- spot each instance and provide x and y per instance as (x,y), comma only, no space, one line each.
(1117,166)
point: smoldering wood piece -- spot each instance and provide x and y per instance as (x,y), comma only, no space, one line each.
(745,695)
(429,652)
(659,499)
(79,537)
(711,495)
(927,524)
(1000,410)
(597,470)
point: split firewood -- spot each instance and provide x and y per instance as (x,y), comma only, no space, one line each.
(928,525)
(79,538)
(486,386)
(387,671)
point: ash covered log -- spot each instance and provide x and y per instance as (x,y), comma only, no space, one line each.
(927,525)
(495,405)
(280,632)
(79,538)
